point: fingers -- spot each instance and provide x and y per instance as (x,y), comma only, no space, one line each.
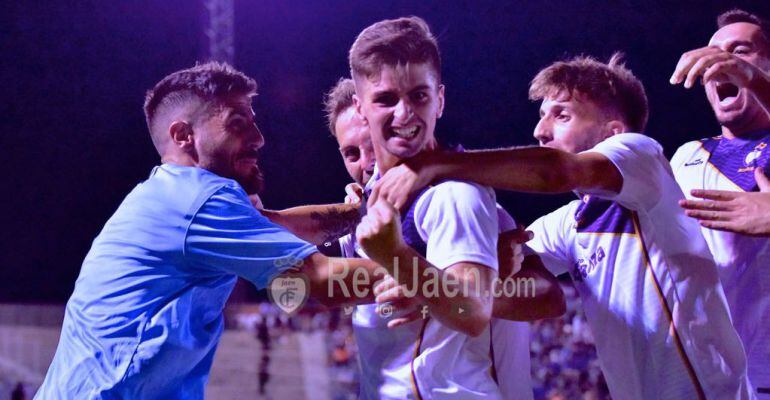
(518,235)
(411,317)
(705,215)
(762,180)
(686,63)
(705,205)
(700,67)
(718,195)
(728,226)
(354,193)
(384,284)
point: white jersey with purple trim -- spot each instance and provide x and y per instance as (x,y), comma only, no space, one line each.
(424,359)
(648,283)
(510,339)
(743,261)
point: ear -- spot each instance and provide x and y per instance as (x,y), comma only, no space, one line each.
(181,134)
(615,127)
(359,111)
(440,101)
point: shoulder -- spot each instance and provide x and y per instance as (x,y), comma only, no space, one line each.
(630,141)
(692,149)
(458,192)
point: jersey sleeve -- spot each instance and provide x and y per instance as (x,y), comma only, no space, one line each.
(641,162)
(551,241)
(227,234)
(458,222)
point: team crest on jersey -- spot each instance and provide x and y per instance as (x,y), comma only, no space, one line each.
(750,162)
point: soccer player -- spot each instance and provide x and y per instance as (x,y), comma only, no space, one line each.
(145,317)
(447,240)
(648,283)
(735,70)
(510,338)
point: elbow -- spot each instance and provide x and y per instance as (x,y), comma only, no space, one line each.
(476,324)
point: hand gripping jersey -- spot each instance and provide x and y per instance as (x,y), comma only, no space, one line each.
(648,283)
(743,261)
(449,223)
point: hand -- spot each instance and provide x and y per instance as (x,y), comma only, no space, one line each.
(510,253)
(713,63)
(354,193)
(404,305)
(740,212)
(379,233)
(403,181)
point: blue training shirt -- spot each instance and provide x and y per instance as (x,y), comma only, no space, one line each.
(146,314)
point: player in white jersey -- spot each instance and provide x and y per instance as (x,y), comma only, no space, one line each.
(735,69)
(510,339)
(448,234)
(648,283)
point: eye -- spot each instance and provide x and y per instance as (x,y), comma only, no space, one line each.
(351,155)
(386,99)
(563,116)
(419,96)
(741,49)
(237,124)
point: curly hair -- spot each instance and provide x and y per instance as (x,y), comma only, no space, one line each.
(611,85)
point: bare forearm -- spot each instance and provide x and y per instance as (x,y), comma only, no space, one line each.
(525,169)
(317,223)
(342,281)
(461,301)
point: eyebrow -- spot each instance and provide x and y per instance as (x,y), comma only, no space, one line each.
(391,91)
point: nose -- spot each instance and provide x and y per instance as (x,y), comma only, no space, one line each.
(259,140)
(402,113)
(543,133)
(367,157)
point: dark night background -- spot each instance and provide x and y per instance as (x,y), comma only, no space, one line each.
(73,77)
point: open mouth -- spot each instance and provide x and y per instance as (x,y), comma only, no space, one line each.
(406,133)
(727,93)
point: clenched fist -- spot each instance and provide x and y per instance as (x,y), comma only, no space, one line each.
(379,233)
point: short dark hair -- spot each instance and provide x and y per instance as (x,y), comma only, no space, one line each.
(610,85)
(394,42)
(737,15)
(209,82)
(337,100)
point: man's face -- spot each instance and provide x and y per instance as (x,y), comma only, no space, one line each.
(401,106)
(735,108)
(227,142)
(570,123)
(355,145)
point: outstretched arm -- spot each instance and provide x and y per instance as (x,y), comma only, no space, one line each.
(317,224)
(527,169)
(341,281)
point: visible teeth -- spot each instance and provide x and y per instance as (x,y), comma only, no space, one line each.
(406,133)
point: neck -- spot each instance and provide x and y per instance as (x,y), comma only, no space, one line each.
(178,159)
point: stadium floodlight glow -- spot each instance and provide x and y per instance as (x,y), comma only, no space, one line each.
(220,30)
